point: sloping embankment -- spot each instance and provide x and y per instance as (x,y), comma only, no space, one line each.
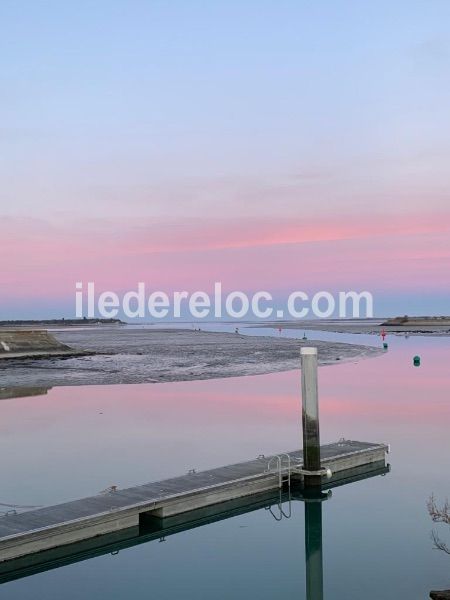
(32,344)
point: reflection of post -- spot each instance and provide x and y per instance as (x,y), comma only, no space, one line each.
(313,549)
(310,415)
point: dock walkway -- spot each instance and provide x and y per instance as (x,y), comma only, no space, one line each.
(53,526)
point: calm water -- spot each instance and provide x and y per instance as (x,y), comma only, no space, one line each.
(73,442)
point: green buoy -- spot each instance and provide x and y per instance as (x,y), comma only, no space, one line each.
(416,361)
(385,345)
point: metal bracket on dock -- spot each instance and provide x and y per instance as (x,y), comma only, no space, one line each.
(289,469)
(320,473)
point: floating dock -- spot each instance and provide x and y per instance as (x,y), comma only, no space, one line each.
(51,527)
(277,503)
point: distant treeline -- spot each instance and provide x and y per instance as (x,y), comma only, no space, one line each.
(65,322)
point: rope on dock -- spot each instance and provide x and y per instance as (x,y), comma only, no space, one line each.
(20,506)
(13,508)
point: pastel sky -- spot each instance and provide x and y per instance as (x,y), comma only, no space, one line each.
(273,145)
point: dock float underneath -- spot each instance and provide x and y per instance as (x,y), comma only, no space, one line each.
(55,526)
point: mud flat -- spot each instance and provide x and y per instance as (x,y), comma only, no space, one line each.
(128,355)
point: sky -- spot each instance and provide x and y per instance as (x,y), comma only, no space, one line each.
(280,145)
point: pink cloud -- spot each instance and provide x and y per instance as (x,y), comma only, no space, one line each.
(41,259)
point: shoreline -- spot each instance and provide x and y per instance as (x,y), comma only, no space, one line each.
(126,356)
(360,326)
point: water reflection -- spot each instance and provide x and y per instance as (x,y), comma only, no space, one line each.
(313,546)
(73,442)
(7,393)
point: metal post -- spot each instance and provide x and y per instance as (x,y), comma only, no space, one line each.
(310,415)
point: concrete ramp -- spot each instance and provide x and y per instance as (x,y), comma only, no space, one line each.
(33,344)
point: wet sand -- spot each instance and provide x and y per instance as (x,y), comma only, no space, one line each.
(127,355)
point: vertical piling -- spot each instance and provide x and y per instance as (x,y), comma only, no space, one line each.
(310,415)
